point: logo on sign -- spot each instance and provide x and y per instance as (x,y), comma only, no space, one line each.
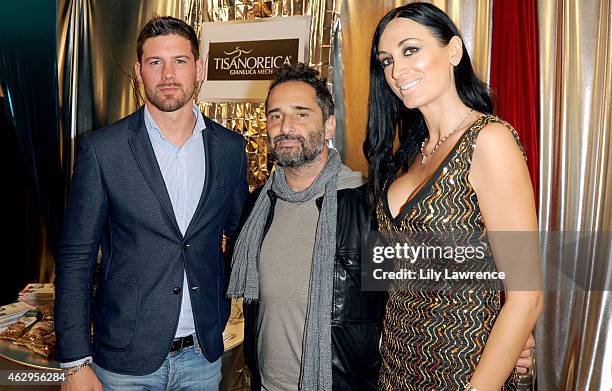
(250,60)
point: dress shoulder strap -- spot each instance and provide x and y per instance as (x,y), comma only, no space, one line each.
(481,123)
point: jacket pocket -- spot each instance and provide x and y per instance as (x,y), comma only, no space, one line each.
(351,303)
(347,283)
(116,314)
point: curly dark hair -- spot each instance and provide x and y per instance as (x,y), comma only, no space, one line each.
(304,73)
(387,115)
(167,25)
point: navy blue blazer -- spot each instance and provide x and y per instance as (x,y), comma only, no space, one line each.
(118,201)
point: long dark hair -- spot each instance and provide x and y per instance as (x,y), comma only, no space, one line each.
(387,115)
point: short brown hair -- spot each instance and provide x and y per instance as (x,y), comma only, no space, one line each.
(167,25)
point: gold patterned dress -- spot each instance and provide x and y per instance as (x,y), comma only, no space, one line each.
(433,339)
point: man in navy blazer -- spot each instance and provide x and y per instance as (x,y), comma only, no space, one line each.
(155,191)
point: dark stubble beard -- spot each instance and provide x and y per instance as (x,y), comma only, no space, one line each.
(165,104)
(310,148)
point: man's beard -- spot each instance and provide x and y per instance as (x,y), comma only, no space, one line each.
(308,151)
(167,104)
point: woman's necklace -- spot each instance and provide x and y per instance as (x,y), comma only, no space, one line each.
(442,140)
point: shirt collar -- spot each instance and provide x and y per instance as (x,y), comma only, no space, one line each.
(153,128)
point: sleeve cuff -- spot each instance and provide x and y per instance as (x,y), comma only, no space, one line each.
(75,363)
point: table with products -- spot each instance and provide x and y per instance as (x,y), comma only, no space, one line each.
(31,337)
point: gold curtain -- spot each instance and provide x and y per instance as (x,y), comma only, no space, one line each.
(359,19)
(96,44)
(575,330)
(114,30)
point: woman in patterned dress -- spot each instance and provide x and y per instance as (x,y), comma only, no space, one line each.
(457,169)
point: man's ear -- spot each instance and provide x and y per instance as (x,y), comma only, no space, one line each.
(455,50)
(330,127)
(199,70)
(137,71)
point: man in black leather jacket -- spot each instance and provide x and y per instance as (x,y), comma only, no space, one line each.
(300,119)
(356,314)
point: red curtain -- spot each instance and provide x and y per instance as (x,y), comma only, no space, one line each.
(514,74)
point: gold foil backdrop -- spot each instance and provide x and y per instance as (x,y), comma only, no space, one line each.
(249,118)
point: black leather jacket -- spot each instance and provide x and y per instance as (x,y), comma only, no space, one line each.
(356,314)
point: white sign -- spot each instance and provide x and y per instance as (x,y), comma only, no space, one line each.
(241,57)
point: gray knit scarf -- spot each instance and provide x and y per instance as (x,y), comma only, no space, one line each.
(316,366)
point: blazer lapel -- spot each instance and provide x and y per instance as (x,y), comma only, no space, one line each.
(211,164)
(142,149)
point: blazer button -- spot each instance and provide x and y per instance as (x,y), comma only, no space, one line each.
(185,246)
(177,290)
